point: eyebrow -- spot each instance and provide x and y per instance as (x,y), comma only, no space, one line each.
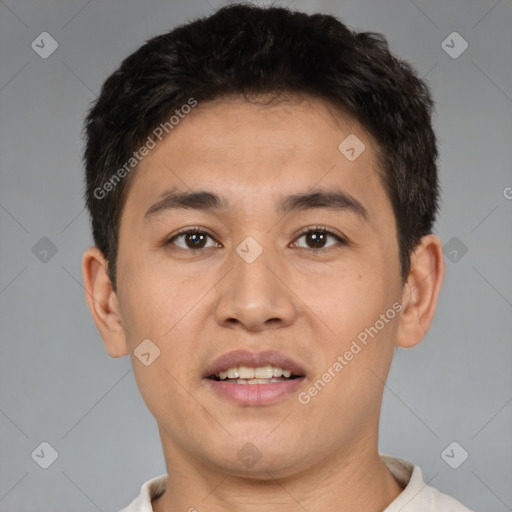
(207,201)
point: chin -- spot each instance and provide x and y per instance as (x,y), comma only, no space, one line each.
(260,458)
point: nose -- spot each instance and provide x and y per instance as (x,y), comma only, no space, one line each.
(255,296)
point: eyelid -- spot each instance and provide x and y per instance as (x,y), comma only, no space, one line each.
(186,230)
(327,231)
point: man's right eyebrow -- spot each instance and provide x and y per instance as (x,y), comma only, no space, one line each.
(198,200)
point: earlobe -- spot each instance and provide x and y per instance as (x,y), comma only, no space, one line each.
(421,291)
(103,303)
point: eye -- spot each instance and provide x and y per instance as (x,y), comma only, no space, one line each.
(317,237)
(196,239)
(193,238)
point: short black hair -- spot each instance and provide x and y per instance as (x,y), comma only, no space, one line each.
(248,50)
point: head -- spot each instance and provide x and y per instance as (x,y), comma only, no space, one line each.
(269,121)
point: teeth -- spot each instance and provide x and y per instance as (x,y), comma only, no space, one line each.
(264,373)
(232,373)
(245,372)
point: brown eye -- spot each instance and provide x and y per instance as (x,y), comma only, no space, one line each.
(191,239)
(195,240)
(317,238)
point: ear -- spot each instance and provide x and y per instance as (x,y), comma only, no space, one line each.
(420,293)
(103,303)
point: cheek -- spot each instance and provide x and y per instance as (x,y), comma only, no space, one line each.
(162,310)
(356,305)
(154,298)
(347,299)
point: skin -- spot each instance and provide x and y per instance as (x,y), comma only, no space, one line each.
(196,306)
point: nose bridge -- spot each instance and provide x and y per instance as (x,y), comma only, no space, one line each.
(253,294)
(253,275)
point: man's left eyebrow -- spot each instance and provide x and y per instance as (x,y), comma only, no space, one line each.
(204,200)
(322,198)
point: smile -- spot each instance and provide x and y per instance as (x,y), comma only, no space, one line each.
(259,375)
(254,379)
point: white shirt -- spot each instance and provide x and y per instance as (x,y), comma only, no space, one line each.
(416,496)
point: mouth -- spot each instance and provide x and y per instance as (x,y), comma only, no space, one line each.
(259,375)
(254,378)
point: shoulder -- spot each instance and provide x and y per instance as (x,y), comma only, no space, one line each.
(148,491)
(417,496)
(443,502)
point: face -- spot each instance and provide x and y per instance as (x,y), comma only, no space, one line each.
(294,265)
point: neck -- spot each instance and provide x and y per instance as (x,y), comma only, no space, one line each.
(358,480)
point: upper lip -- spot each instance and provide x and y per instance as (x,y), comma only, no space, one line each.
(238,358)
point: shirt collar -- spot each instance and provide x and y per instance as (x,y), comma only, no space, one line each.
(406,474)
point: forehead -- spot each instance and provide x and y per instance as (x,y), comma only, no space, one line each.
(249,150)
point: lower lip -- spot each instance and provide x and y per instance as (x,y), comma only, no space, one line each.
(256,394)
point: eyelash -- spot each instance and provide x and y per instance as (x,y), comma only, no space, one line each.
(305,231)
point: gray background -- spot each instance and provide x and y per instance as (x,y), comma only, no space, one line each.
(58,384)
